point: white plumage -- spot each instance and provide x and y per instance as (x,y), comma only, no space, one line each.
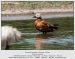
(37,15)
(9,35)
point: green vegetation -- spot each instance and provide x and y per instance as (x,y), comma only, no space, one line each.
(36,5)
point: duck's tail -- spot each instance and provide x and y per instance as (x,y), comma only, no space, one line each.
(53,27)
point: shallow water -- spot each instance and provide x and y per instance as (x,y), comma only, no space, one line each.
(28,17)
(61,39)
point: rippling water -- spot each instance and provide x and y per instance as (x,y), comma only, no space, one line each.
(62,39)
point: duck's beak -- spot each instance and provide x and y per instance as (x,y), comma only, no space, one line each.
(34,16)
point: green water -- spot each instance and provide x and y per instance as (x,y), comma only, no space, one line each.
(61,39)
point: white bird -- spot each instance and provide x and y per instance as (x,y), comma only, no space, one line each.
(9,35)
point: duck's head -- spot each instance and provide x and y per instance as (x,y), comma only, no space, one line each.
(37,15)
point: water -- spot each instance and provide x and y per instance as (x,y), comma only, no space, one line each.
(32,39)
(28,17)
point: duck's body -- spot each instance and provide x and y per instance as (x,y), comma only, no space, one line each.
(43,26)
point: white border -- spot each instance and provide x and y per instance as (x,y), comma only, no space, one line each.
(37,0)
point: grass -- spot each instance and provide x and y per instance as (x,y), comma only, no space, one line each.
(36,5)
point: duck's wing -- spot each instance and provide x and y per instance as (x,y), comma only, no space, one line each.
(45,23)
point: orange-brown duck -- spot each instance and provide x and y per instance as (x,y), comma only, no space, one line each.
(43,26)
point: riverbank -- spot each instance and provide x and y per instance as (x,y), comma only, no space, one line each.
(30,12)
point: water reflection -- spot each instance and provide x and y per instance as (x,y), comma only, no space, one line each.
(49,41)
(40,38)
(46,42)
